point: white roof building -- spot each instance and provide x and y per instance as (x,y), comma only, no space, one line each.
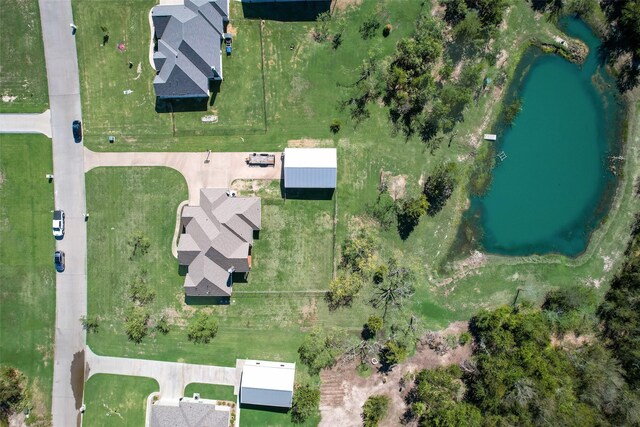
(310,167)
(267,383)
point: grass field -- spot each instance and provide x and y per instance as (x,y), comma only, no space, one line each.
(116,400)
(23,77)
(27,276)
(210,391)
(304,83)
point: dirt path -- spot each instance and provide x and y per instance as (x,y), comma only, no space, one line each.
(343,391)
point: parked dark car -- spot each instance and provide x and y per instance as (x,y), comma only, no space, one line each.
(58,259)
(77,130)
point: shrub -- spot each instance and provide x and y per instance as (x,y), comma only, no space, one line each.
(162,325)
(139,244)
(305,402)
(202,328)
(387,30)
(12,391)
(374,410)
(439,187)
(336,41)
(90,324)
(136,324)
(464,338)
(511,111)
(335,125)
(380,274)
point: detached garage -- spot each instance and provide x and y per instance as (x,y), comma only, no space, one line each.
(267,383)
(310,168)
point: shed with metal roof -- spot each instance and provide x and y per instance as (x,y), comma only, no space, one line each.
(310,168)
(267,383)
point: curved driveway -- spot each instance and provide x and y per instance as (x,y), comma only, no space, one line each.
(220,171)
(172,377)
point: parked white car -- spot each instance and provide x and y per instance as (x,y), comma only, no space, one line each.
(58,223)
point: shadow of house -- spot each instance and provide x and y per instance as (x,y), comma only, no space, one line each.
(217,242)
(187,53)
(285,10)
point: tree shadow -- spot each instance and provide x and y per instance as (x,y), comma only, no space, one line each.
(286,11)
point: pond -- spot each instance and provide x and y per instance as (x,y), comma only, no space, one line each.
(555,186)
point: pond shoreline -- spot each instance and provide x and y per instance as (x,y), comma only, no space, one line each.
(471,230)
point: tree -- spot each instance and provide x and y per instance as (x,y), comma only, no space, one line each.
(139,244)
(321,31)
(319,350)
(469,30)
(439,187)
(393,291)
(372,327)
(343,289)
(374,410)
(369,27)
(392,353)
(357,251)
(162,325)
(489,11)
(455,11)
(12,391)
(202,328)
(135,324)
(409,212)
(305,402)
(140,292)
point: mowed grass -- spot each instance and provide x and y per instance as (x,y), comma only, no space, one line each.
(105,74)
(116,400)
(210,391)
(27,275)
(265,319)
(23,74)
(305,82)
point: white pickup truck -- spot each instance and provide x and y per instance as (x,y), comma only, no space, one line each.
(58,223)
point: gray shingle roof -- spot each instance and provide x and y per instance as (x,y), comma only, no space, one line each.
(188,414)
(188,54)
(218,235)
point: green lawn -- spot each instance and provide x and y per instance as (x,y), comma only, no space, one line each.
(105,75)
(255,416)
(27,275)
(116,400)
(23,77)
(304,83)
(210,391)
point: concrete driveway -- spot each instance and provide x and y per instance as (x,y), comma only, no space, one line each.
(172,377)
(220,171)
(26,123)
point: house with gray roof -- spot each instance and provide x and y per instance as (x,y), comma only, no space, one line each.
(189,412)
(187,54)
(217,240)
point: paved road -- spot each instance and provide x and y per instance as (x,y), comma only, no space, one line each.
(172,377)
(26,123)
(68,169)
(220,171)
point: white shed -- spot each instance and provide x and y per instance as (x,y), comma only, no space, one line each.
(267,383)
(310,167)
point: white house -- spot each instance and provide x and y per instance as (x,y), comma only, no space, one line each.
(267,383)
(310,168)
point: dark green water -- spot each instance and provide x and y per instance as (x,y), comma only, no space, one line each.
(555,186)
